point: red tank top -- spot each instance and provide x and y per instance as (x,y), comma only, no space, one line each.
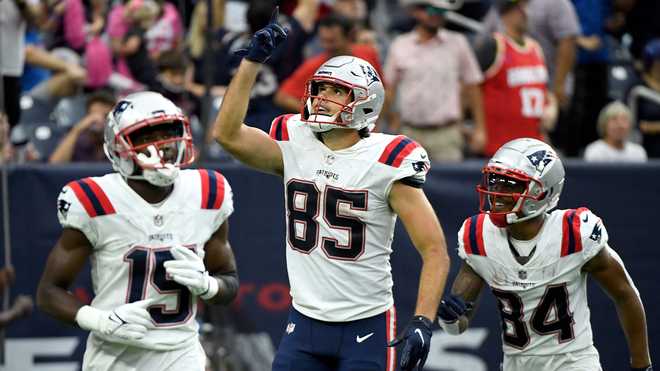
(514,93)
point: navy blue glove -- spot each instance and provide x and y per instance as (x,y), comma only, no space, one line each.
(265,40)
(647,368)
(452,307)
(417,338)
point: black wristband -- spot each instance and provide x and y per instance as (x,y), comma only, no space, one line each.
(647,368)
(427,322)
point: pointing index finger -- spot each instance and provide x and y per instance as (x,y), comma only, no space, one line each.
(275,14)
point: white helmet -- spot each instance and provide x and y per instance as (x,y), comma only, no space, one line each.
(366,89)
(156,159)
(531,165)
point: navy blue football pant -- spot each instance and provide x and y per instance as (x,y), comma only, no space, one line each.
(313,345)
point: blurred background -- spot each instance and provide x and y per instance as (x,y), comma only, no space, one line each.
(590,86)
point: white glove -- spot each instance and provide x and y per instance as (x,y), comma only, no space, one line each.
(188,269)
(129,321)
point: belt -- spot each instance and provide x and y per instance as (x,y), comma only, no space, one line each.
(432,126)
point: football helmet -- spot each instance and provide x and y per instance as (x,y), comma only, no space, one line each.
(525,173)
(133,145)
(366,92)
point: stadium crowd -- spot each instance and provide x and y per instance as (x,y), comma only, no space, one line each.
(461,77)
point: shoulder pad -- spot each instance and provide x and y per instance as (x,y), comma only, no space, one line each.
(279,127)
(471,236)
(398,149)
(213,189)
(91,197)
(581,230)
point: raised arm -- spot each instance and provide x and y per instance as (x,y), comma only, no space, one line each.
(249,145)
(608,270)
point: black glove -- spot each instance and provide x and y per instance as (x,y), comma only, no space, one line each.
(647,368)
(264,41)
(417,338)
(452,307)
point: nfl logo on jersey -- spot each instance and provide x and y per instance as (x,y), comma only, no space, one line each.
(158,220)
(522,275)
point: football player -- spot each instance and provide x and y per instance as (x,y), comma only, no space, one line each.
(536,262)
(157,240)
(344,188)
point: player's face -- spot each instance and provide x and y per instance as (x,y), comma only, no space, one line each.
(508,189)
(160,135)
(330,98)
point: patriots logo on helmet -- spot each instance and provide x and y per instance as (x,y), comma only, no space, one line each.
(540,159)
(63,207)
(596,233)
(120,108)
(370,73)
(420,166)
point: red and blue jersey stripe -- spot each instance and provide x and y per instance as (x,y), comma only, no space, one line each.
(571,240)
(92,197)
(473,237)
(279,129)
(397,150)
(213,189)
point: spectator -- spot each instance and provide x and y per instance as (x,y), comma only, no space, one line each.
(164,32)
(84,142)
(49,76)
(614,128)
(143,69)
(554,25)
(5,144)
(516,98)
(645,98)
(172,76)
(13,20)
(590,94)
(23,304)
(421,61)
(281,64)
(336,37)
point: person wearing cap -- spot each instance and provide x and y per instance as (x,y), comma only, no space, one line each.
(430,112)
(517,103)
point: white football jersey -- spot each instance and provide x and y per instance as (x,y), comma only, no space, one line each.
(543,303)
(339,222)
(132,238)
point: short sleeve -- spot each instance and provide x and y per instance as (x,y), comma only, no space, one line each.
(563,20)
(469,68)
(227,207)
(593,232)
(72,214)
(392,64)
(460,249)
(408,161)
